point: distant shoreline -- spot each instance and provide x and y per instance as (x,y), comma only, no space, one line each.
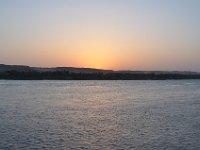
(16,72)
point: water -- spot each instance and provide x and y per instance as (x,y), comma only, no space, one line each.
(141,115)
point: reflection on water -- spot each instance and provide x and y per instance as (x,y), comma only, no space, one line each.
(100,114)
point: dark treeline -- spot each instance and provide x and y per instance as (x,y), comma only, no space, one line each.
(65,75)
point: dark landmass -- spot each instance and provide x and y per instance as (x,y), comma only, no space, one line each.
(17,72)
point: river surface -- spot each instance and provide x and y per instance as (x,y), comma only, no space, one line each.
(110,115)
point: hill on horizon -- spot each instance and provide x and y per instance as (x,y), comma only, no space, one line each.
(25,68)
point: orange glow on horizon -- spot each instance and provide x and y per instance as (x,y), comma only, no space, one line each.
(95,59)
(98,53)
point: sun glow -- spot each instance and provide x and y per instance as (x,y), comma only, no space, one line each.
(96,59)
(99,54)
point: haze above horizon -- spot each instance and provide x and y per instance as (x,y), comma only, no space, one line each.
(104,34)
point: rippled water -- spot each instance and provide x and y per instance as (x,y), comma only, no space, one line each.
(100,115)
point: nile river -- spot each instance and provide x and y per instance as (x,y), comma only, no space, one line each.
(110,115)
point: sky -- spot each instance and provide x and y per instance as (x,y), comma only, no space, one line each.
(106,34)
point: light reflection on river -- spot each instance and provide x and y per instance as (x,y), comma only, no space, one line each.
(100,114)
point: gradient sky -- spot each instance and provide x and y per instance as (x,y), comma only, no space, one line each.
(109,34)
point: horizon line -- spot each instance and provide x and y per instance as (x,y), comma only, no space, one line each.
(128,70)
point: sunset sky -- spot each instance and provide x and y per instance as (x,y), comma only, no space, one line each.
(106,34)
